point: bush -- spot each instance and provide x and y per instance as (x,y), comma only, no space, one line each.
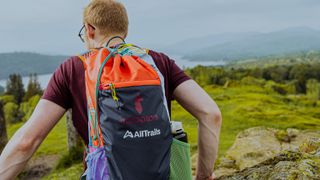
(12,113)
(15,87)
(27,108)
(7,98)
(75,155)
(313,89)
(248,80)
(282,89)
(33,87)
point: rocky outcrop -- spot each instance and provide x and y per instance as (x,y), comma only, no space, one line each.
(266,153)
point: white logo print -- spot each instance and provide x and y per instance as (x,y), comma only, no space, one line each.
(142,134)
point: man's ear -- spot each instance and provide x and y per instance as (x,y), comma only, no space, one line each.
(90,30)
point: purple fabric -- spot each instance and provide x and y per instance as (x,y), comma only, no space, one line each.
(97,165)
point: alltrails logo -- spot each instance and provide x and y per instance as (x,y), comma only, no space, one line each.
(142,134)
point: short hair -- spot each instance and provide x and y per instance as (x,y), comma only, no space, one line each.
(109,16)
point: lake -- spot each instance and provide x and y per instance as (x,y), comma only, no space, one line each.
(182,63)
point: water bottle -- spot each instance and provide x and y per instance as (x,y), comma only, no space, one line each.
(178,132)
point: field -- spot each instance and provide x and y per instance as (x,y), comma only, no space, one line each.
(242,106)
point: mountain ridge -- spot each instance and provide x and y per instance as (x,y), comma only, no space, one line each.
(239,46)
(25,63)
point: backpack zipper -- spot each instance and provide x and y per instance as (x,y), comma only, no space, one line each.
(114,95)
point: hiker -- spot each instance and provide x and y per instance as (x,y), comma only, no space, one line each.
(103,107)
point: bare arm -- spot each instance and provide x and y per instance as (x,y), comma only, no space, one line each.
(197,102)
(28,138)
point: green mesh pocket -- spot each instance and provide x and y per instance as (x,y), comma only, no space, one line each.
(180,162)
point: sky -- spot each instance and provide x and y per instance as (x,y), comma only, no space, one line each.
(51,26)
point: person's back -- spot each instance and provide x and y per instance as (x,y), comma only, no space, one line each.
(105,26)
(67,87)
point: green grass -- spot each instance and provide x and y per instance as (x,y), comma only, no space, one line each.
(72,173)
(242,107)
(55,143)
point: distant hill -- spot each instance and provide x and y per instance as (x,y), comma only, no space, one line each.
(310,57)
(25,63)
(249,45)
(197,44)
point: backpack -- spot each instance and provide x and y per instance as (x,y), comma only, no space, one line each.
(128,118)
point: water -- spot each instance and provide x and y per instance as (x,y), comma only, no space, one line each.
(43,80)
(182,63)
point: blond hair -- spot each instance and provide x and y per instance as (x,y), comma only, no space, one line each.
(109,16)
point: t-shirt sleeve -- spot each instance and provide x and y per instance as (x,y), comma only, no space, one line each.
(57,90)
(173,74)
(177,76)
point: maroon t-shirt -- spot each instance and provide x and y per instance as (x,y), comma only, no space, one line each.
(67,87)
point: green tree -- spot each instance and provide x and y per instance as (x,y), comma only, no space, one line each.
(74,140)
(1,90)
(7,98)
(300,72)
(26,108)
(12,113)
(3,129)
(15,87)
(33,87)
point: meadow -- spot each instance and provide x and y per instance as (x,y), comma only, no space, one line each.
(246,97)
(242,106)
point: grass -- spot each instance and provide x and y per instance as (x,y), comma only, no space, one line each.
(72,173)
(242,107)
(55,143)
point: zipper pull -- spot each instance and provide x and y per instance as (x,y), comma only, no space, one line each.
(114,95)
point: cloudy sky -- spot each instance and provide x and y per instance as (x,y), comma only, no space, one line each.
(51,26)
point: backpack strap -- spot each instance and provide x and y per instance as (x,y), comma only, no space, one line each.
(147,58)
(130,49)
(94,64)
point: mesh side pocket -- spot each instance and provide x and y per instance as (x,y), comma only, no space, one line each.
(180,162)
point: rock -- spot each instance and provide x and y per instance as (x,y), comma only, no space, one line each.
(265,153)
(253,146)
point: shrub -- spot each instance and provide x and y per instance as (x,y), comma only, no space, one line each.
(75,155)
(248,80)
(313,89)
(12,113)
(7,98)
(27,108)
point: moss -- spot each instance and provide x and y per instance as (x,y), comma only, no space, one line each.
(282,136)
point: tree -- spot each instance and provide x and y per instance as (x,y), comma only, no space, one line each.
(301,73)
(1,90)
(15,87)
(3,129)
(33,87)
(26,108)
(74,140)
(75,147)
(12,113)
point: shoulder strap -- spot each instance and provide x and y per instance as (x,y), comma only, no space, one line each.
(147,58)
